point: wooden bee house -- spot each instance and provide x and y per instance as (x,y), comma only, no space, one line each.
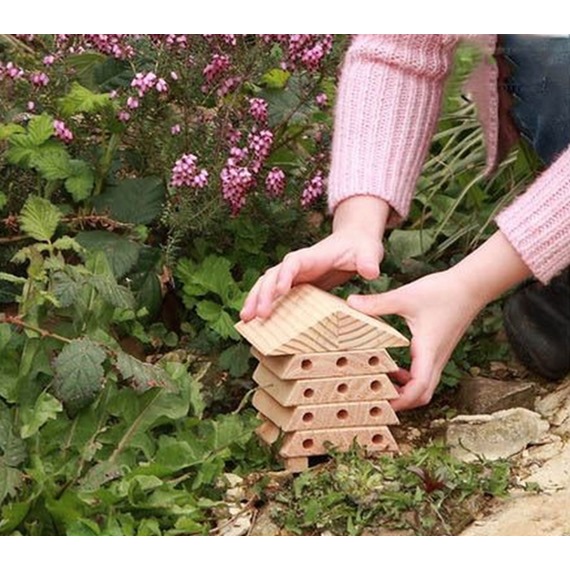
(322,376)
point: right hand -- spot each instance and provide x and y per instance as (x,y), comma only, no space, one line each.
(354,247)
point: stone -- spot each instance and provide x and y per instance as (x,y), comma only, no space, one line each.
(494,436)
(555,407)
(264,524)
(554,475)
(482,395)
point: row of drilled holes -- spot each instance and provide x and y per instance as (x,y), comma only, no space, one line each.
(377,438)
(342,388)
(342,414)
(307,364)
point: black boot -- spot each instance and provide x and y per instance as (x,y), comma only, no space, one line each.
(537,323)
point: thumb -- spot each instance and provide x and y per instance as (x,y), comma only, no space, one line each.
(368,263)
(389,303)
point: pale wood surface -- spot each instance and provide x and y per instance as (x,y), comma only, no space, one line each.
(328,365)
(314,442)
(311,320)
(296,464)
(325,390)
(320,416)
(268,431)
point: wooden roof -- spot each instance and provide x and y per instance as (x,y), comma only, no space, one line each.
(309,320)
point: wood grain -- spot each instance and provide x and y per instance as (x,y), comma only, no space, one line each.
(328,365)
(325,390)
(316,442)
(320,416)
(309,320)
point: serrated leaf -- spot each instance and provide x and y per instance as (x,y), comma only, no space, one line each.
(79,373)
(39,218)
(54,164)
(66,289)
(80,181)
(208,311)
(276,78)
(66,243)
(40,129)
(116,295)
(12,448)
(121,252)
(6,131)
(12,278)
(142,375)
(33,419)
(235,359)
(405,244)
(10,481)
(82,100)
(136,201)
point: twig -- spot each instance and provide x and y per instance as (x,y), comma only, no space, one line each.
(19,322)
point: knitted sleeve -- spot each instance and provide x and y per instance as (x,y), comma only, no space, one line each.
(537,223)
(388,103)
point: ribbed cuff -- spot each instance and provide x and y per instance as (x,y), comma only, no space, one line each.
(537,224)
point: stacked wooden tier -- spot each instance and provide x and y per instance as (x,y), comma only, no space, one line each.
(322,377)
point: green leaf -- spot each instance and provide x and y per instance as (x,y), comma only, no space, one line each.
(276,78)
(116,295)
(82,100)
(39,218)
(6,131)
(40,129)
(121,252)
(11,445)
(145,283)
(217,318)
(79,373)
(235,359)
(142,375)
(52,165)
(10,481)
(84,65)
(80,180)
(12,278)
(3,200)
(136,201)
(46,408)
(405,244)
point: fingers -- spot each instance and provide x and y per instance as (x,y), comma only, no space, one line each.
(368,264)
(390,303)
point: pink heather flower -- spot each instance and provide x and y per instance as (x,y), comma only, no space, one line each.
(275,182)
(144,82)
(236,181)
(115,45)
(260,143)
(174,76)
(39,78)
(234,136)
(113,94)
(49,60)
(132,103)
(62,132)
(313,189)
(30,106)
(218,64)
(175,129)
(322,100)
(124,116)
(258,109)
(161,86)
(185,173)
(11,71)
(228,85)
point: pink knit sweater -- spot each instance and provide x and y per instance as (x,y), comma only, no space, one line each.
(388,104)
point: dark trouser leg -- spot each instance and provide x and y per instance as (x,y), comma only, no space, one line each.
(537,317)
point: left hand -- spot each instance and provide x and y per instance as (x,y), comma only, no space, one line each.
(438,310)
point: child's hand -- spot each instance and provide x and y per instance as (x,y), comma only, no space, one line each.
(439,308)
(354,247)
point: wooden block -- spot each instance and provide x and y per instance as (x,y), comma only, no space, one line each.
(316,442)
(329,365)
(320,416)
(308,319)
(296,464)
(325,390)
(268,432)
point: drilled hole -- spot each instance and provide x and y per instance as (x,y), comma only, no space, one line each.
(377,438)
(373,361)
(375,411)
(375,385)
(342,388)
(306,364)
(342,414)
(309,393)
(342,361)
(308,443)
(308,417)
